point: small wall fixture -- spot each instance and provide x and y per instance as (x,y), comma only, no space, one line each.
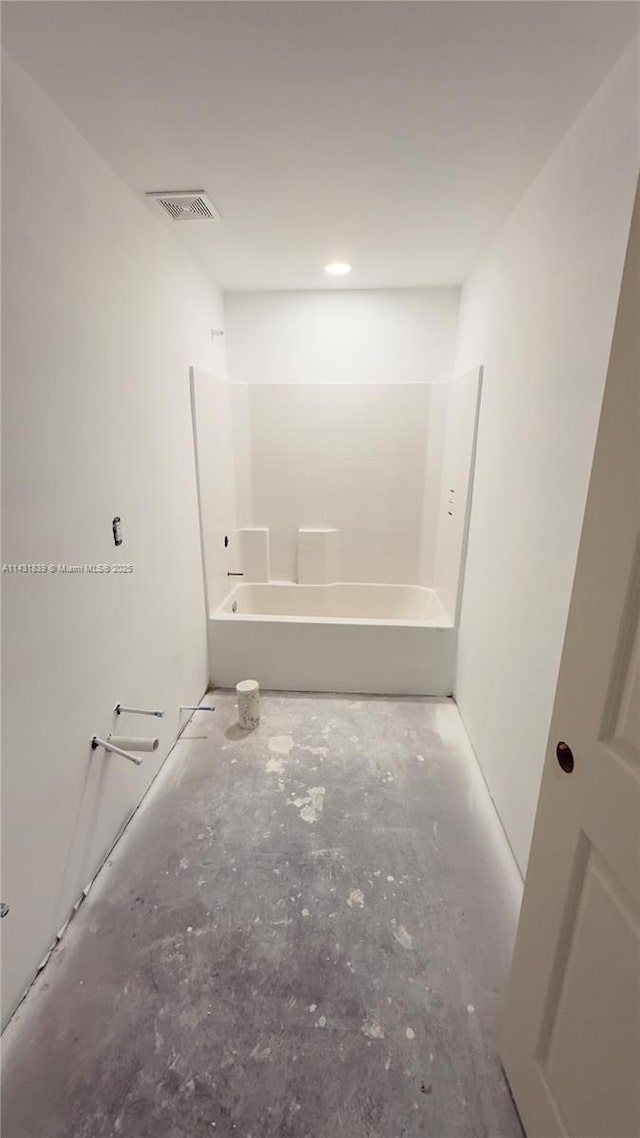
(120,710)
(337,268)
(133,742)
(96,742)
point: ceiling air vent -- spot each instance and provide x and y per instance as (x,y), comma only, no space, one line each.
(186,205)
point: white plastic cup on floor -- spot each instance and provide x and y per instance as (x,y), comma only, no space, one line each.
(248,692)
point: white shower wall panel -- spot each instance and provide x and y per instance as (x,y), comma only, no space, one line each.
(348,456)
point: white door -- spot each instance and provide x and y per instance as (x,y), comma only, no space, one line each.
(571,1032)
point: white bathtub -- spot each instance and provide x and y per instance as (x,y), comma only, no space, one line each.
(361,638)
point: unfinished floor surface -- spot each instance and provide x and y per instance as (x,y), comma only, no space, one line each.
(304,933)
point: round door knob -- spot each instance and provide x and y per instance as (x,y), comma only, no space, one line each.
(564,755)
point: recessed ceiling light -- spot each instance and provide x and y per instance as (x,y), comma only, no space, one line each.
(337,268)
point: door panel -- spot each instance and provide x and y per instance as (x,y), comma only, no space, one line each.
(602,913)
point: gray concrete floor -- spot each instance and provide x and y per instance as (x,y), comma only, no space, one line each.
(304,933)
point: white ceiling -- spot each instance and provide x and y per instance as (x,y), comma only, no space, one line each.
(397,136)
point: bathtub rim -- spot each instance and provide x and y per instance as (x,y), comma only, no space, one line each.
(442,622)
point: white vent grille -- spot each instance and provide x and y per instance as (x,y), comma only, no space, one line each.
(186,205)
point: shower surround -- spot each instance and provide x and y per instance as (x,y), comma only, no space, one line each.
(345,510)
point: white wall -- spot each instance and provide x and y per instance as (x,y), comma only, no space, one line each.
(240,413)
(538,312)
(377,462)
(103,314)
(453,498)
(327,457)
(428,527)
(215,461)
(349,456)
(374,336)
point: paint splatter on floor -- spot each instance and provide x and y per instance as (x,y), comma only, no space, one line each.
(356,897)
(402,936)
